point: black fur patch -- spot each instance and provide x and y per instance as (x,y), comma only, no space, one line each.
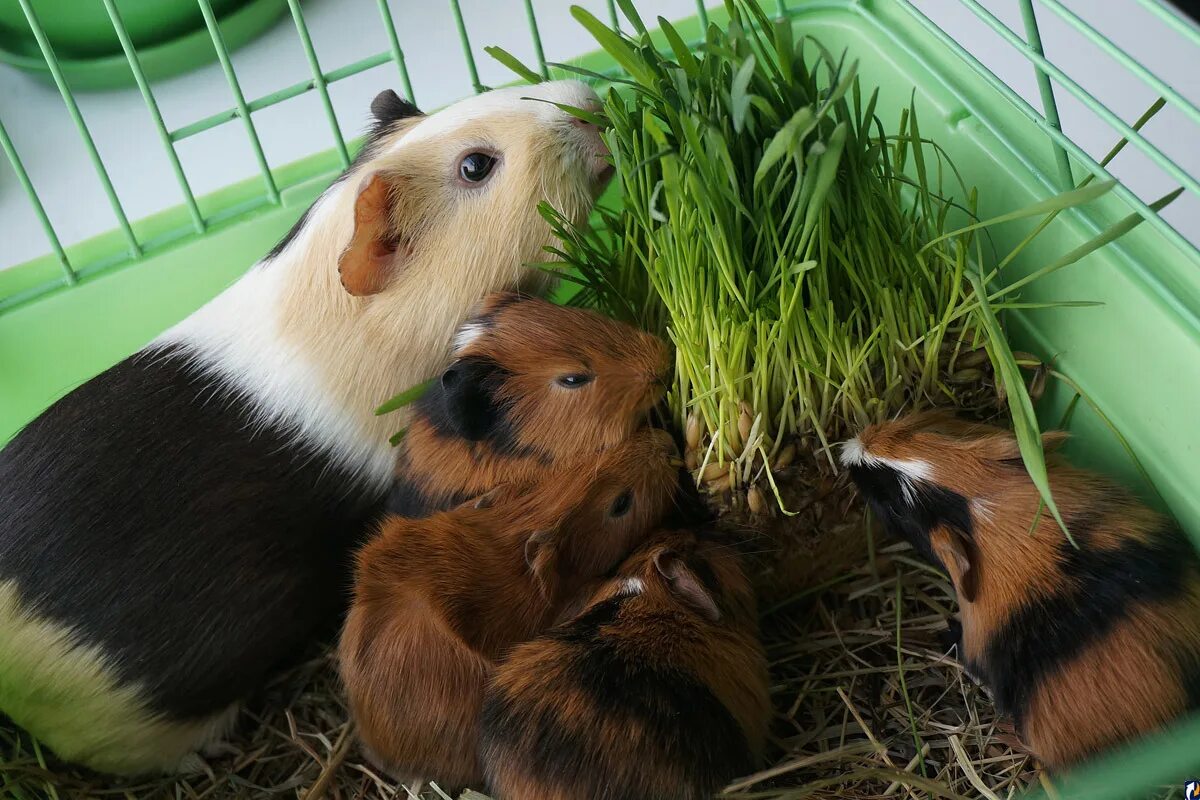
(405,499)
(386,108)
(147,511)
(1098,590)
(911,515)
(684,723)
(462,404)
(688,509)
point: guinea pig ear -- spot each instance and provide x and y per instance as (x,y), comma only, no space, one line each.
(389,107)
(685,585)
(376,250)
(541,552)
(957,554)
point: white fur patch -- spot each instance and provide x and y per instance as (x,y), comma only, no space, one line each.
(632,586)
(981,508)
(853,453)
(909,470)
(236,336)
(467,334)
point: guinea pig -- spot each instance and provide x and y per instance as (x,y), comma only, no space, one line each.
(657,690)
(438,600)
(1084,646)
(174,528)
(532,385)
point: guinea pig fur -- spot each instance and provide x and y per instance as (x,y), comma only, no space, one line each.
(175,527)
(532,385)
(657,690)
(438,600)
(1084,647)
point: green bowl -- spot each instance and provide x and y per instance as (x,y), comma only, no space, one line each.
(169,35)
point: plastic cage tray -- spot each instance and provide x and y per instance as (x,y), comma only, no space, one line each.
(69,315)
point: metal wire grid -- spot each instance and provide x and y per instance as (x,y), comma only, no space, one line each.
(1029,46)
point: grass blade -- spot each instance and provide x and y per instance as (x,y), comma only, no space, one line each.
(407,397)
(513,63)
(1025,425)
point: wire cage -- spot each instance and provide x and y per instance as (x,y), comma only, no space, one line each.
(70,313)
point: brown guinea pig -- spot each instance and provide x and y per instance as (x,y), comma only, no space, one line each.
(532,384)
(658,690)
(1084,647)
(437,600)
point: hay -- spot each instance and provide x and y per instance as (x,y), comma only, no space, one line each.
(850,713)
(868,705)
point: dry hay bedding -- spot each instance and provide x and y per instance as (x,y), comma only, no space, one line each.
(868,704)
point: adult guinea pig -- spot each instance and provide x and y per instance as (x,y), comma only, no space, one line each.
(173,528)
(532,385)
(658,690)
(436,601)
(1084,647)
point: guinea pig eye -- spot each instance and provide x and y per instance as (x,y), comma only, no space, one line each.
(621,505)
(475,167)
(574,380)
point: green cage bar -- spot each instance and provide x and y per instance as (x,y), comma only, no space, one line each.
(1173,19)
(389,25)
(77,117)
(1085,97)
(995,82)
(239,99)
(278,96)
(1124,59)
(537,38)
(10,150)
(466,46)
(319,81)
(1046,88)
(155,115)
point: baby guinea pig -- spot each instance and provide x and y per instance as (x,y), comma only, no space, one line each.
(532,384)
(658,690)
(438,600)
(1084,647)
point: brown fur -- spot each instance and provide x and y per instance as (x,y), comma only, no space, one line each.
(552,733)
(437,601)
(1126,683)
(536,342)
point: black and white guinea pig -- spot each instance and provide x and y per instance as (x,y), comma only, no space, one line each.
(1084,646)
(657,690)
(532,385)
(178,525)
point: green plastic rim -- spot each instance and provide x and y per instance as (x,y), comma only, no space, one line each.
(164,60)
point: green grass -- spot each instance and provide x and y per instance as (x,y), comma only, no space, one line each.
(816,267)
